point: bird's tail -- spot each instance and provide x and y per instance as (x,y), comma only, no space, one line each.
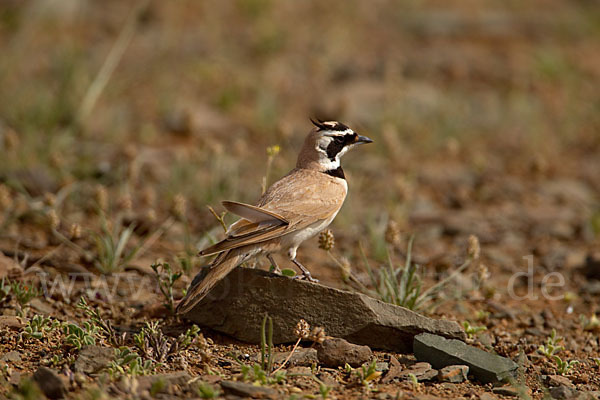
(217,272)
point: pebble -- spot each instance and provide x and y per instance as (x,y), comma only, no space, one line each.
(453,373)
(50,383)
(336,352)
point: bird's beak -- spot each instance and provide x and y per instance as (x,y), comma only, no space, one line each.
(363,140)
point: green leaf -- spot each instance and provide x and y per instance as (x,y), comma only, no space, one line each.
(288,272)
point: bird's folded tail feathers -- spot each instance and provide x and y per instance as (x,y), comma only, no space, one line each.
(215,274)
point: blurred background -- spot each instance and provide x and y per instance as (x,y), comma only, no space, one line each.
(485,116)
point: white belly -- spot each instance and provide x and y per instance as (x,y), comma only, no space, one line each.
(291,241)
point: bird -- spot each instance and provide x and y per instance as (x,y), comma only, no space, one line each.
(293,209)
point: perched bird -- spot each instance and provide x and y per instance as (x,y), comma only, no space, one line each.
(293,209)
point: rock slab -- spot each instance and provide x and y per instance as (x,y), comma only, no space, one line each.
(247,390)
(442,352)
(50,383)
(93,359)
(336,352)
(236,307)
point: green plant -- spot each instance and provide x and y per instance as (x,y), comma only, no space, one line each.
(414,382)
(590,324)
(205,391)
(4,290)
(128,363)
(77,337)
(471,331)
(263,373)
(564,367)
(105,326)
(398,285)
(552,346)
(597,361)
(366,374)
(27,390)
(111,247)
(166,279)
(324,389)
(38,325)
(24,294)
(153,344)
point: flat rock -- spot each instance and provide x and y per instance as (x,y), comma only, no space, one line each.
(50,383)
(237,305)
(11,322)
(422,371)
(300,358)
(512,391)
(93,359)
(248,390)
(442,352)
(336,352)
(559,380)
(563,393)
(395,368)
(11,356)
(180,378)
(453,373)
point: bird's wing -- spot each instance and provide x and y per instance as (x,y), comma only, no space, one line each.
(252,213)
(296,201)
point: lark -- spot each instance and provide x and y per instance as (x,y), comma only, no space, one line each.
(292,210)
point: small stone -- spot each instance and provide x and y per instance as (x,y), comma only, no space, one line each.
(93,359)
(442,352)
(180,378)
(562,393)
(487,396)
(382,367)
(453,373)
(511,391)
(559,380)
(50,383)
(11,356)
(395,368)
(10,322)
(336,352)
(248,390)
(421,370)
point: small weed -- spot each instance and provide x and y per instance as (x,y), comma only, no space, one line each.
(105,326)
(38,326)
(24,294)
(597,361)
(78,337)
(590,324)
(128,363)
(414,382)
(111,248)
(205,391)
(471,331)
(4,291)
(366,374)
(263,373)
(154,345)
(552,346)
(563,367)
(166,279)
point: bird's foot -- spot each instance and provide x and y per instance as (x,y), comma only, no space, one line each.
(306,276)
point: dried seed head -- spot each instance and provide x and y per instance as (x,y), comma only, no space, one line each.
(11,139)
(57,160)
(474,249)
(345,268)
(302,330)
(483,274)
(179,206)
(392,233)
(148,196)
(53,219)
(317,335)
(75,231)
(5,199)
(49,199)
(326,240)
(101,196)
(125,203)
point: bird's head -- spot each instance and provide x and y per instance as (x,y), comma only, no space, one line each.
(326,144)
